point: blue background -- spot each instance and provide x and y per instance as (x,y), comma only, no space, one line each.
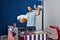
(10,9)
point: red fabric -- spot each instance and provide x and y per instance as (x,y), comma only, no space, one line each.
(21,38)
(58,34)
(54,27)
(10,36)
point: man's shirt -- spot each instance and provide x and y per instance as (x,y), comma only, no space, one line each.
(31,18)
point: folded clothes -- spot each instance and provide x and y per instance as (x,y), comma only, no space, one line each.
(34,36)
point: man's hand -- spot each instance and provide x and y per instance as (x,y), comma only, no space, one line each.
(38,11)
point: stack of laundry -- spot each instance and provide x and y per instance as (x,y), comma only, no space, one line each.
(34,36)
(10,35)
(13,32)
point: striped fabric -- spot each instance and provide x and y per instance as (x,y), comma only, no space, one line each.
(36,37)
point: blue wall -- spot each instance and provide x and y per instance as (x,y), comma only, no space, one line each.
(10,9)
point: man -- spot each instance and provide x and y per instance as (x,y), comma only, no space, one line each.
(31,22)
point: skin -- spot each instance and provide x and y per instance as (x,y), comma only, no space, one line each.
(29,9)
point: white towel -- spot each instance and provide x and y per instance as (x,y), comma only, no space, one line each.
(22,16)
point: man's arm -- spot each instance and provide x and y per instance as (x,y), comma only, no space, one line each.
(38,11)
